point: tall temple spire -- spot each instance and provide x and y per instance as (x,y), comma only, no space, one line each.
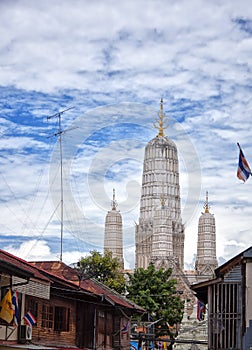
(160,232)
(160,122)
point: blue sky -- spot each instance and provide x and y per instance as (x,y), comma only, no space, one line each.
(113,62)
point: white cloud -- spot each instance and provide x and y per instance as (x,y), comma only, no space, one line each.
(39,250)
(32,250)
(196,55)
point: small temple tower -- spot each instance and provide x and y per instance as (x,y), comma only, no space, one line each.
(160,232)
(113,238)
(206,261)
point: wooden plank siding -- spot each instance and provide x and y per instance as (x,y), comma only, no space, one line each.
(45,333)
(69,313)
(85,325)
(98,327)
(225,314)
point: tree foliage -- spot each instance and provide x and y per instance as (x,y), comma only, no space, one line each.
(155,291)
(105,269)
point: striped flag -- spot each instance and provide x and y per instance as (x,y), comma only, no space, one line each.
(200,310)
(15,308)
(243,170)
(29,319)
(125,328)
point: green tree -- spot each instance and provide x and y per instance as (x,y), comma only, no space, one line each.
(105,269)
(155,291)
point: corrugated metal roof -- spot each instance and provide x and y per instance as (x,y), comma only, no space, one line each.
(236,260)
(59,269)
(70,275)
(234,275)
(97,287)
(20,267)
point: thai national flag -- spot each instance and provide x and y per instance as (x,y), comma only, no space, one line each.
(200,310)
(29,319)
(125,328)
(243,170)
(15,308)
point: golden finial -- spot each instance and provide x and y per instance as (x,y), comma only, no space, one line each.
(113,202)
(160,122)
(206,206)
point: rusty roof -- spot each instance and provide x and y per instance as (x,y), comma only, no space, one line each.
(19,267)
(67,273)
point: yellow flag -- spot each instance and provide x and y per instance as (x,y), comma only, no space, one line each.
(6,312)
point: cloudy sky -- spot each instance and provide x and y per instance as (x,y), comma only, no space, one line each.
(112,62)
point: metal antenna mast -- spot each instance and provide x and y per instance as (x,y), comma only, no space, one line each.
(59,133)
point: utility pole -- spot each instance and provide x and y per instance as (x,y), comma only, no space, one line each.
(59,134)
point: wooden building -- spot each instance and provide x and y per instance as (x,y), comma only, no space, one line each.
(100,323)
(229,303)
(69,312)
